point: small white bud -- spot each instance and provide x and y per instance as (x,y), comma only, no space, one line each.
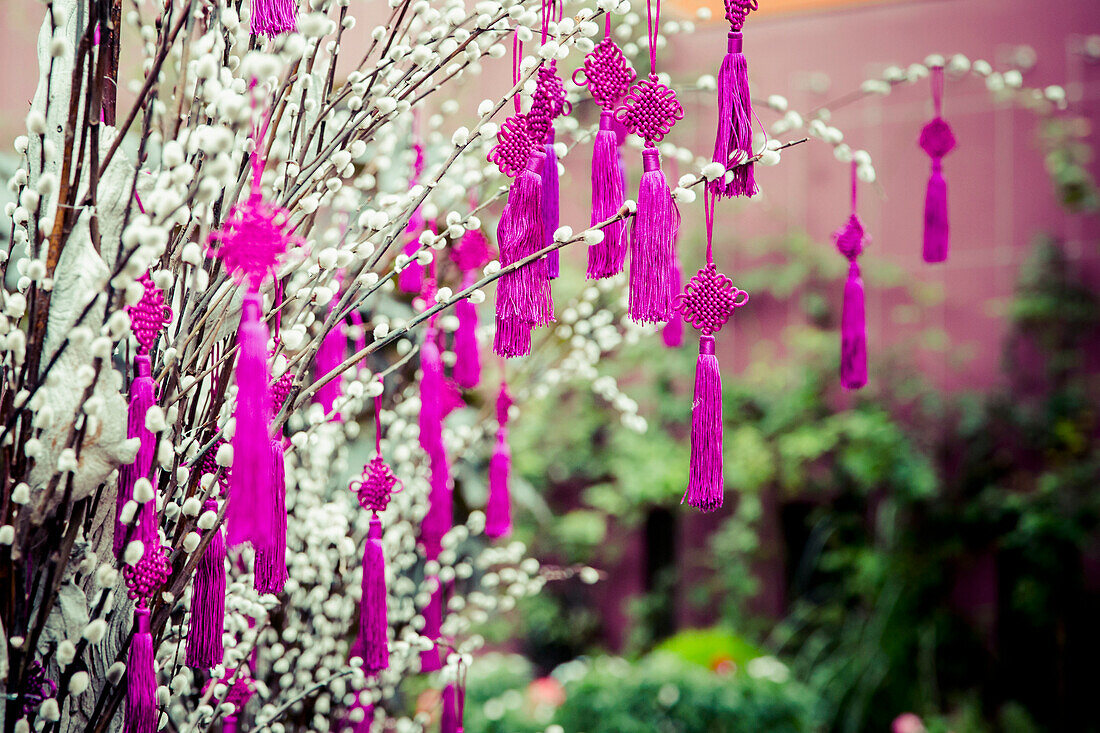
(95,631)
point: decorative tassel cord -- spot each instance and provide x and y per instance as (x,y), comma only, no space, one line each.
(252,479)
(141,678)
(651,245)
(733,138)
(853,328)
(937,140)
(207,619)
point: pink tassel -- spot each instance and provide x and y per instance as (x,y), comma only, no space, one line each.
(498,508)
(550,213)
(467,370)
(204,632)
(142,397)
(606,258)
(141,679)
(439,519)
(853,332)
(734,137)
(373,644)
(270,574)
(523,296)
(330,355)
(251,481)
(274,17)
(937,140)
(853,328)
(431,394)
(936,224)
(433,620)
(651,245)
(411,279)
(449,721)
(673,332)
(705,481)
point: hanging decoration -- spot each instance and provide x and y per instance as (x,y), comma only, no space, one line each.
(850,240)
(329,356)
(273,18)
(523,295)
(733,141)
(270,573)
(498,507)
(937,140)
(650,110)
(207,620)
(255,235)
(454,703)
(470,254)
(547,104)
(436,401)
(148,317)
(608,75)
(373,488)
(411,278)
(144,580)
(240,692)
(707,303)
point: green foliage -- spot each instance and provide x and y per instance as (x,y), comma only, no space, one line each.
(664,693)
(497,699)
(711,648)
(1068,157)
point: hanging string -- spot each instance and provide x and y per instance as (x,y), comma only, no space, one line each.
(937,89)
(855,181)
(517,52)
(708,208)
(654,27)
(606,25)
(547,10)
(378,416)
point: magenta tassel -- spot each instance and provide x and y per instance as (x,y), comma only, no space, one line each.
(142,397)
(433,620)
(550,204)
(673,332)
(606,258)
(467,371)
(449,721)
(251,480)
(274,17)
(853,332)
(433,396)
(141,679)
(270,569)
(373,644)
(936,225)
(204,632)
(705,481)
(734,123)
(440,517)
(330,355)
(937,140)
(652,245)
(432,391)
(411,279)
(523,296)
(498,509)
